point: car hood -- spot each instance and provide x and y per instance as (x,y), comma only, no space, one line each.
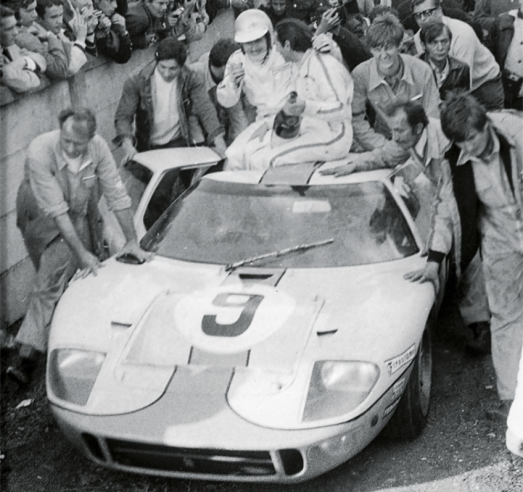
(163,324)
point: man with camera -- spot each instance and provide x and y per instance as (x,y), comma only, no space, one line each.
(151,21)
(111,36)
(507,40)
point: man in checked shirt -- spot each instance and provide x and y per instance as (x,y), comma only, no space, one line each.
(66,171)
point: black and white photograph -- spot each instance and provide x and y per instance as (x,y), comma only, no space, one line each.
(261,246)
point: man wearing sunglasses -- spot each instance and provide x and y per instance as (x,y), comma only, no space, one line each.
(465,46)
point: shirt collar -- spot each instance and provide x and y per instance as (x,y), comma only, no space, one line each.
(62,162)
(375,79)
(464,157)
(419,148)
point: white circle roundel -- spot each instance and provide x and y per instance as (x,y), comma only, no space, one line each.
(232,318)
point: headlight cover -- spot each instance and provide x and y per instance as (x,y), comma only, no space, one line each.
(337,387)
(72,374)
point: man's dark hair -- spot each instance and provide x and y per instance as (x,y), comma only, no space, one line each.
(460,114)
(431,30)
(413,109)
(17,5)
(6,12)
(221,51)
(79,115)
(385,31)
(415,3)
(296,32)
(169,49)
(43,5)
(382,10)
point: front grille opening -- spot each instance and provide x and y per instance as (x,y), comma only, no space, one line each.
(188,460)
(93,446)
(292,461)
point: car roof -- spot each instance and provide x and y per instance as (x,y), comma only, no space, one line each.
(299,175)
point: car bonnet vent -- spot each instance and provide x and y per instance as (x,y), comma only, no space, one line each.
(257,276)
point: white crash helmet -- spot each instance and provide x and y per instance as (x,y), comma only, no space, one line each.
(251,25)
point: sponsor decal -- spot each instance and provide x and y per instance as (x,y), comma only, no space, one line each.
(390,408)
(232,319)
(395,364)
(398,388)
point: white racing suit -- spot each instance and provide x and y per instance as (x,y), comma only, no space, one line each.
(326,131)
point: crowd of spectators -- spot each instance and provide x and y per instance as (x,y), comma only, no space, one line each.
(68,33)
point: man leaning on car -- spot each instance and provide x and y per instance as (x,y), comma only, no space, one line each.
(423,141)
(66,170)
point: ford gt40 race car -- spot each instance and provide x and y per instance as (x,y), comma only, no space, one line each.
(271,337)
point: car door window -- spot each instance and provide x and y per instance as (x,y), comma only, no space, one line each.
(170,187)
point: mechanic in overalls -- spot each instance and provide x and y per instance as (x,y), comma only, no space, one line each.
(424,144)
(66,172)
(484,176)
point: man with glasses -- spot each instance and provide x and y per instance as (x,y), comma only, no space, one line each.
(465,46)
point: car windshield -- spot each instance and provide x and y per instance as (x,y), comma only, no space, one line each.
(226,222)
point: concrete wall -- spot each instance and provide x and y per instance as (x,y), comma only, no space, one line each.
(24,117)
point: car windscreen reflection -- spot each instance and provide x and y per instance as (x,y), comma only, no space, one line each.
(226,222)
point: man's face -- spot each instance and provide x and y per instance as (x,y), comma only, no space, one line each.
(256,50)
(387,59)
(108,7)
(278,6)
(28,14)
(283,50)
(158,8)
(74,138)
(9,30)
(438,49)
(168,69)
(53,18)
(402,133)
(476,142)
(426,11)
(217,72)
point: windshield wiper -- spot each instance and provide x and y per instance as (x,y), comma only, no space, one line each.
(275,254)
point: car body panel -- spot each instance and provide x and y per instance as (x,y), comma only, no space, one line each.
(204,360)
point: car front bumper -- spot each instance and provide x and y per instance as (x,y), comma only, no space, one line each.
(207,440)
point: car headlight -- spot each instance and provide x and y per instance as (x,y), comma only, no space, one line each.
(72,374)
(337,387)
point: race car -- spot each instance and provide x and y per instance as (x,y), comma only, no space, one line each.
(271,337)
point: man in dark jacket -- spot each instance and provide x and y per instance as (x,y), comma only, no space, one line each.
(111,36)
(450,73)
(147,22)
(507,40)
(480,205)
(159,98)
